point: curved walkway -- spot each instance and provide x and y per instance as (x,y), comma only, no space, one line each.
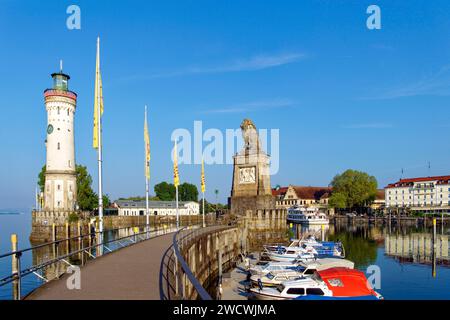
(132,273)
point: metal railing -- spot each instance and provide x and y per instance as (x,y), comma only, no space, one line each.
(96,246)
(181,271)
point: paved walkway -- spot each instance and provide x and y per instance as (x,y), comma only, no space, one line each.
(131,273)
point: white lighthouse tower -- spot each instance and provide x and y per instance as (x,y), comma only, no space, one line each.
(60,193)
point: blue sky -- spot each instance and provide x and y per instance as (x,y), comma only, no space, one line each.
(342,96)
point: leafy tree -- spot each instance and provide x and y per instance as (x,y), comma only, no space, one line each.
(87,198)
(106,201)
(212,207)
(165,191)
(338,200)
(73,217)
(188,192)
(41,178)
(353,189)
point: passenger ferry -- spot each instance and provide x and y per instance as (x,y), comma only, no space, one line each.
(309,216)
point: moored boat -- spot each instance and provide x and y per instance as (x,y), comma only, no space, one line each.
(347,283)
(307,215)
(304,269)
(333,283)
(317,264)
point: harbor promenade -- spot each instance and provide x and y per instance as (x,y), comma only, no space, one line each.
(132,273)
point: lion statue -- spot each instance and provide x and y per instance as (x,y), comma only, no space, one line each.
(250,135)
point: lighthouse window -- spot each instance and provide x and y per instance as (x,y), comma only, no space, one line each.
(59,187)
(59,146)
(58,110)
(67,111)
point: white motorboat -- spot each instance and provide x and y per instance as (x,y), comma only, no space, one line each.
(316,264)
(269,266)
(292,289)
(295,243)
(293,255)
(338,283)
(307,215)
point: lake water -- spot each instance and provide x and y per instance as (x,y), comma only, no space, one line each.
(409,267)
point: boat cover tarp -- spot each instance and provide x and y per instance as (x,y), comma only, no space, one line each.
(314,297)
(344,282)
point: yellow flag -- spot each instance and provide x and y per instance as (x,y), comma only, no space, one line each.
(176,178)
(203,177)
(98,93)
(147,147)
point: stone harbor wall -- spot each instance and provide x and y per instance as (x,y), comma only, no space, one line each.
(240,205)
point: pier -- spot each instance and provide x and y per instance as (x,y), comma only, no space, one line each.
(130,273)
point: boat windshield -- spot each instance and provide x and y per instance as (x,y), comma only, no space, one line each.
(316,276)
(280,288)
(270,276)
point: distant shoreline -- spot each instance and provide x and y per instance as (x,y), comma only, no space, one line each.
(9,213)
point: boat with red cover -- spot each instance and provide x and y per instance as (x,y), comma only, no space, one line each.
(345,283)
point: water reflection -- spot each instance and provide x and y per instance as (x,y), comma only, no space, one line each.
(414,264)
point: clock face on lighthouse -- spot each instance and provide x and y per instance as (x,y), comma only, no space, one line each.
(49,129)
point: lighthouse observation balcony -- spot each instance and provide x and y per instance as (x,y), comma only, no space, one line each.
(60,93)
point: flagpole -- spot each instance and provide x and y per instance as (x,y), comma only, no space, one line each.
(147,164)
(176,202)
(203,205)
(202,178)
(176,181)
(99,133)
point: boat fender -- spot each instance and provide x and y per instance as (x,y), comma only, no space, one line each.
(260,285)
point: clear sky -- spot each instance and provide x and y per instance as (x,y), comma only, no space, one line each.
(342,96)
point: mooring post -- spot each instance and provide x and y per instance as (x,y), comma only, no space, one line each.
(15,268)
(53,232)
(67,230)
(434,233)
(433,271)
(323,232)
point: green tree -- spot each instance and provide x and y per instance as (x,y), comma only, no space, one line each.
(41,178)
(106,201)
(188,192)
(338,200)
(165,191)
(353,189)
(86,197)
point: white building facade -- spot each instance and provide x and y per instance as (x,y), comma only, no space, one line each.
(60,193)
(425,194)
(157,208)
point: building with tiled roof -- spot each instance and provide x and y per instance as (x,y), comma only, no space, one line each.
(286,197)
(423,194)
(160,208)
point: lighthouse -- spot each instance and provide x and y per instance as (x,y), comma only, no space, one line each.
(60,193)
